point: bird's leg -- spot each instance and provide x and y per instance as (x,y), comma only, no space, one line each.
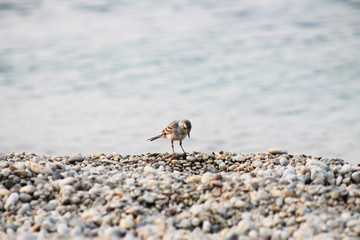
(182,147)
(172,146)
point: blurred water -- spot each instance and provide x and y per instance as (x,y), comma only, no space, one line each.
(103,76)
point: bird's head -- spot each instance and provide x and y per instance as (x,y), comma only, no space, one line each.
(186,125)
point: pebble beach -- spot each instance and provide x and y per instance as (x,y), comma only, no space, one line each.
(273,195)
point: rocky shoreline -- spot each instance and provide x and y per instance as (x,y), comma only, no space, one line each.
(273,195)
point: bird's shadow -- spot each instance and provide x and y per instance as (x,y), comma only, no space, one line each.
(179,156)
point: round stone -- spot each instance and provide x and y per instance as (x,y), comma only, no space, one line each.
(24,197)
(257,164)
(127,222)
(29,189)
(206,227)
(283,161)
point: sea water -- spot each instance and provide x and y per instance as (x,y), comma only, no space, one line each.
(103,76)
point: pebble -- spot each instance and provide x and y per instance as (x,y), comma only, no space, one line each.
(318,174)
(24,197)
(222,195)
(257,164)
(345,169)
(113,233)
(184,223)
(253,234)
(196,209)
(11,200)
(9,184)
(62,229)
(75,159)
(29,189)
(239,158)
(39,169)
(193,179)
(355,177)
(222,166)
(318,163)
(91,215)
(127,222)
(24,209)
(335,194)
(191,158)
(149,169)
(283,161)
(4,192)
(207,177)
(134,210)
(339,180)
(56,176)
(258,196)
(275,151)
(36,159)
(206,227)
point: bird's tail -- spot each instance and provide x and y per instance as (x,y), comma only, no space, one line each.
(156,137)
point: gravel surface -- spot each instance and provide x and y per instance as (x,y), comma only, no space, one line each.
(273,195)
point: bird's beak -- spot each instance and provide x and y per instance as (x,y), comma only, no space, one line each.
(189,134)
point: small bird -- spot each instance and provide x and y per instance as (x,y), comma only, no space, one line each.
(175,131)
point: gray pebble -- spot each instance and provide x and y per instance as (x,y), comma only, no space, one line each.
(75,159)
(56,176)
(24,197)
(9,184)
(29,189)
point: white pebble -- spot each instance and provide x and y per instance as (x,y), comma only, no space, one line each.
(20,166)
(37,168)
(29,189)
(283,161)
(36,159)
(222,166)
(206,226)
(62,229)
(11,200)
(127,222)
(253,234)
(320,164)
(257,164)
(207,177)
(316,172)
(339,180)
(4,192)
(239,158)
(66,181)
(355,177)
(91,215)
(246,225)
(149,169)
(345,169)
(196,209)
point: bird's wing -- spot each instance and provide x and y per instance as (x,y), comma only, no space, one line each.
(170,128)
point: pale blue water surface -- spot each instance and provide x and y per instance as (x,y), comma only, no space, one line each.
(103,76)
